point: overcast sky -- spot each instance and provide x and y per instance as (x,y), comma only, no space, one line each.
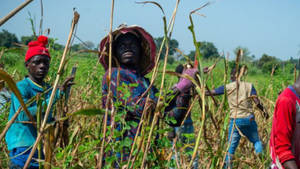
(263,26)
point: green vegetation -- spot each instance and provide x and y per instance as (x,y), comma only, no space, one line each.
(80,146)
(85,131)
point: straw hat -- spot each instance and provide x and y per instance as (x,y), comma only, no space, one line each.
(147,43)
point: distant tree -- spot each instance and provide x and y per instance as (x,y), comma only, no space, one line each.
(87,45)
(83,46)
(7,39)
(266,63)
(207,49)
(56,46)
(171,59)
(75,47)
(173,44)
(295,62)
(247,57)
(26,39)
(192,54)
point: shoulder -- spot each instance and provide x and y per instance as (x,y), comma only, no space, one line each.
(230,85)
(286,102)
(114,72)
(248,85)
(24,89)
(23,85)
(22,82)
(286,97)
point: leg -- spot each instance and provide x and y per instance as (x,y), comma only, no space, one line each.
(171,135)
(251,133)
(234,139)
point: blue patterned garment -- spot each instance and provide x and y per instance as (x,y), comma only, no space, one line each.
(137,84)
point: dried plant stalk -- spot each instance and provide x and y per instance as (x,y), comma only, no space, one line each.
(13,12)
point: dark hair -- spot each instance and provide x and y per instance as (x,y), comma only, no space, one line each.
(179,68)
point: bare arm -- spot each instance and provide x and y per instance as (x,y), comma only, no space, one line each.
(291,164)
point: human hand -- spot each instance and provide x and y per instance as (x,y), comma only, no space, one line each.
(184,84)
(205,70)
(67,83)
(266,115)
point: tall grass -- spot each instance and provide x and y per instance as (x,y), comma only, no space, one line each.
(88,133)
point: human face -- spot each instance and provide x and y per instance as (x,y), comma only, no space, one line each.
(128,50)
(38,67)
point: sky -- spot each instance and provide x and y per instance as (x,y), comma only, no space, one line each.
(263,26)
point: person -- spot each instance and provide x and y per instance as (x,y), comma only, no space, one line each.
(187,128)
(242,118)
(285,133)
(22,134)
(133,57)
(4,94)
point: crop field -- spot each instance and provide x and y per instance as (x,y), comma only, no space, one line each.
(84,135)
(79,137)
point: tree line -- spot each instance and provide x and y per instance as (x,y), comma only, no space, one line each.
(208,51)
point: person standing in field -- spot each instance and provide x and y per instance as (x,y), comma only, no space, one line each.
(133,57)
(285,133)
(187,128)
(22,134)
(241,114)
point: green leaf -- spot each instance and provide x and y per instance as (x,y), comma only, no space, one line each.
(89,112)
(133,85)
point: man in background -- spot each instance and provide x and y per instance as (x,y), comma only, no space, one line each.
(242,118)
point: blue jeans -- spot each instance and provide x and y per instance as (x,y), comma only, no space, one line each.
(248,127)
(18,157)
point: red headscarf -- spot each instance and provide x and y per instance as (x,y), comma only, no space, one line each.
(37,47)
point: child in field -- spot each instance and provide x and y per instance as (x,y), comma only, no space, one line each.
(241,114)
(22,134)
(134,51)
(285,133)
